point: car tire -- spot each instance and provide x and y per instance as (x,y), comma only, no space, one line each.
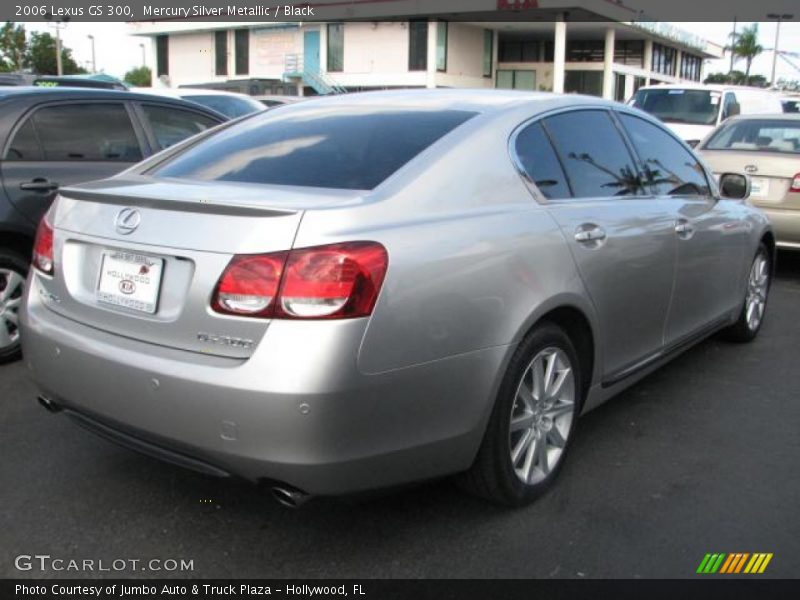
(517,463)
(751,317)
(13,271)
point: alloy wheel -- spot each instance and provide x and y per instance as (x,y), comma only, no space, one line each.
(542,415)
(757,288)
(11,288)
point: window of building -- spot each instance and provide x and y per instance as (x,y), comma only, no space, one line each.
(87,132)
(515,50)
(221,52)
(335,47)
(348,148)
(516,79)
(418,46)
(585,51)
(691,67)
(584,82)
(619,87)
(595,158)
(488,52)
(536,155)
(669,169)
(629,52)
(171,125)
(664,59)
(242,45)
(162,55)
(441,46)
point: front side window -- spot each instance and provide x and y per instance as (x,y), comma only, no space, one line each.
(538,158)
(335,47)
(418,46)
(669,169)
(762,135)
(171,125)
(87,132)
(349,148)
(25,144)
(595,157)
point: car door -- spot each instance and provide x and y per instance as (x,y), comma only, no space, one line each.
(622,239)
(167,124)
(60,144)
(708,232)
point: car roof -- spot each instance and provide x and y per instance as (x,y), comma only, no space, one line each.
(767,117)
(184,92)
(712,87)
(481,101)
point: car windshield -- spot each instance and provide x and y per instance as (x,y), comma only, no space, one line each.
(671,105)
(230,106)
(352,148)
(764,135)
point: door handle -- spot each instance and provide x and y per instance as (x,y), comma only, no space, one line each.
(684,229)
(39,185)
(589,233)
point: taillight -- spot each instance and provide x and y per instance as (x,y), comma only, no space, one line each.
(795,184)
(249,285)
(338,281)
(43,247)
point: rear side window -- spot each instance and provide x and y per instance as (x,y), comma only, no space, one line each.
(596,160)
(537,157)
(669,169)
(25,145)
(87,132)
(324,147)
(171,125)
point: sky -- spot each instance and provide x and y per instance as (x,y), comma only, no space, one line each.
(117,52)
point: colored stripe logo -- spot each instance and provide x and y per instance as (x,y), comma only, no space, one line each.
(737,562)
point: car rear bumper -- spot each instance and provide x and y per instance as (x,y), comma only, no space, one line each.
(786,225)
(298,411)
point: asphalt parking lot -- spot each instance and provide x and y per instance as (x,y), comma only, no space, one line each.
(702,456)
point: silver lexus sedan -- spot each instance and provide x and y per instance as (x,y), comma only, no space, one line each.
(368,290)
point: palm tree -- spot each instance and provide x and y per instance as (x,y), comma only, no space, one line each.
(747,47)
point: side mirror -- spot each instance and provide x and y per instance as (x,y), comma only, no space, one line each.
(734,185)
(732,110)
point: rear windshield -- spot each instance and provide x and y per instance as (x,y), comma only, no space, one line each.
(764,135)
(326,147)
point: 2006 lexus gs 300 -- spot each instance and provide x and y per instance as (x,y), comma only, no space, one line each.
(363,291)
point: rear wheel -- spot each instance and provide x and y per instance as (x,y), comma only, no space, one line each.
(755,303)
(13,270)
(532,423)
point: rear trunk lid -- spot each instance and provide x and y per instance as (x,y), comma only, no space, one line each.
(141,258)
(771,174)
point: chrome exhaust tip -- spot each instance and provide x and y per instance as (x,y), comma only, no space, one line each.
(289,497)
(48,404)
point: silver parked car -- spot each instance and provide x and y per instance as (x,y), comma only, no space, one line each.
(363,291)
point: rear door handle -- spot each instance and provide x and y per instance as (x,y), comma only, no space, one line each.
(684,229)
(39,185)
(589,233)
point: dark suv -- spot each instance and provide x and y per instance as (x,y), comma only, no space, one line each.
(60,136)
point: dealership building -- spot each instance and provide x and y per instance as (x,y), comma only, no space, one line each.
(605,53)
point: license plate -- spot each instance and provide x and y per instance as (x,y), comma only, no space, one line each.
(759,187)
(130,280)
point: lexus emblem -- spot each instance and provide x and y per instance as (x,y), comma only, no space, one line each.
(127,220)
(751,169)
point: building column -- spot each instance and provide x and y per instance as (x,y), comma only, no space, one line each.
(323,47)
(559,54)
(608,65)
(433,36)
(648,60)
(678,62)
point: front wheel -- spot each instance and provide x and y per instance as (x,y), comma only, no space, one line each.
(532,422)
(755,303)
(13,270)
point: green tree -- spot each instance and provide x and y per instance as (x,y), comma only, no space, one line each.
(41,56)
(746,46)
(12,47)
(139,77)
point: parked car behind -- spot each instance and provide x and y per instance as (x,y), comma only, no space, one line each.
(693,111)
(230,104)
(768,149)
(367,290)
(274,100)
(61,136)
